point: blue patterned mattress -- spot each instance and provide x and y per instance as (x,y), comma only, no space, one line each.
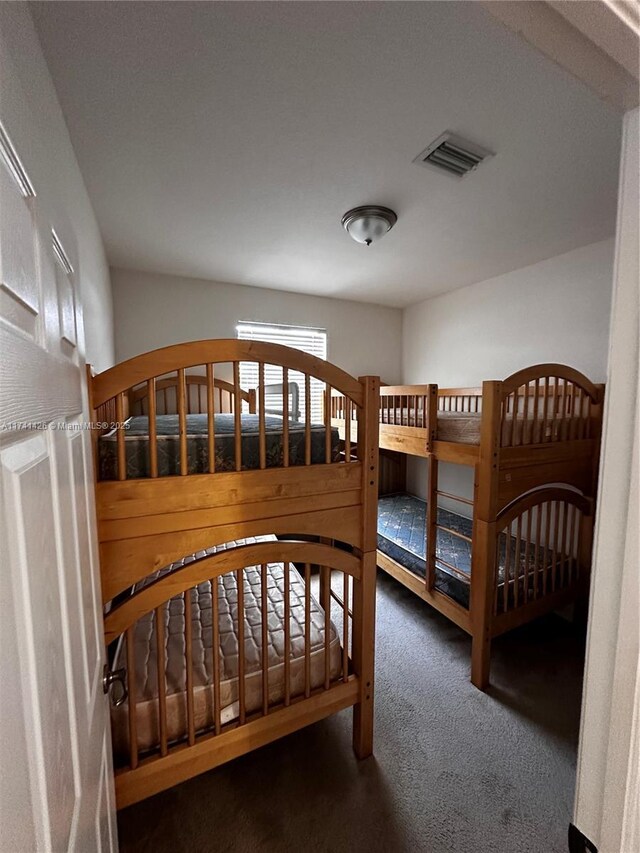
(402,536)
(168,445)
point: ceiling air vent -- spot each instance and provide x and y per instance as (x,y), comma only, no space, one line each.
(452,154)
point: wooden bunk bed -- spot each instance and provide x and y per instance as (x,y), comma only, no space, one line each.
(214,520)
(522,548)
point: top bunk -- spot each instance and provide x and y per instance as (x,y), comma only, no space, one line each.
(542,411)
(188,456)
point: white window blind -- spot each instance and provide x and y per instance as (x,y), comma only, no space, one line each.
(309,340)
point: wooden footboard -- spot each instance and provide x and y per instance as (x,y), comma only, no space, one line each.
(533,559)
(172,496)
(549,429)
(268,661)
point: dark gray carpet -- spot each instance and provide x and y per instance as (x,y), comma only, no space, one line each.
(454,769)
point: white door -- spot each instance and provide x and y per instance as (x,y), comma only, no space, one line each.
(607,807)
(56,778)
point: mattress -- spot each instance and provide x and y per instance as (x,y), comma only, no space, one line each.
(464,427)
(175,669)
(168,445)
(402,536)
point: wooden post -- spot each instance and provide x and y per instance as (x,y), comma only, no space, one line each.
(364,590)
(432,487)
(432,520)
(585,549)
(483,549)
(482,598)
(368,456)
(490,427)
(432,416)
(325,581)
(364,620)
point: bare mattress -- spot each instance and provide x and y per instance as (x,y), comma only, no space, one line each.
(145,653)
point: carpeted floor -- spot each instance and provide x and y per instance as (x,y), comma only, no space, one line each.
(454,769)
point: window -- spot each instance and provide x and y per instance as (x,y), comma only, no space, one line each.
(312,341)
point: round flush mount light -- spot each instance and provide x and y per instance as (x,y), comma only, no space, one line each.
(369,223)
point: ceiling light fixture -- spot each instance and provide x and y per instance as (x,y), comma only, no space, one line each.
(368,223)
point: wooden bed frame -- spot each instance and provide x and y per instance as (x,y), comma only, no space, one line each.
(539,497)
(146,524)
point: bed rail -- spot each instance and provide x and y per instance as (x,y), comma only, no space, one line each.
(400,405)
(273,399)
(404,405)
(142,378)
(542,404)
(406,415)
(460,400)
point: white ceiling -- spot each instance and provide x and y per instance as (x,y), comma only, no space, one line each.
(225,140)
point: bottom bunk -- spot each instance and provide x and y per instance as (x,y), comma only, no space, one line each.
(228,649)
(533,559)
(402,537)
(314,657)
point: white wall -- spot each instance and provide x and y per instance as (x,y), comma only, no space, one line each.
(31,114)
(554,311)
(153,310)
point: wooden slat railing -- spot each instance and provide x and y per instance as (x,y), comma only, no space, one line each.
(542,545)
(196,396)
(203,392)
(548,403)
(404,405)
(219,570)
(460,400)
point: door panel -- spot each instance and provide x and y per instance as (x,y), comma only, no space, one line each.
(59,760)
(19,292)
(103,822)
(29,497)
(92,576)
(67,311)
(70,556)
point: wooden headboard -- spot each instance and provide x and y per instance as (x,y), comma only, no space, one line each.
(196,396)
